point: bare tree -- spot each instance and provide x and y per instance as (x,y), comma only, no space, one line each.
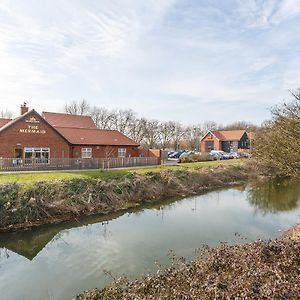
(166,131)
(149,133)
(209,125)
(138,130)
(102,117)
(77,108)
(5,114)
(239,125)
(192,135)
(178,135)
(124,119)
(277,144)
(151,136)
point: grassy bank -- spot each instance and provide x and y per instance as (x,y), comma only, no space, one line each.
(259,270)
(32,203)
(27,177)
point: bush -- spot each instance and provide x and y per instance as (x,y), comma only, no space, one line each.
(195,158)
(277,145)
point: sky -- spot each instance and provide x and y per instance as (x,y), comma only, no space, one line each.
(184,60)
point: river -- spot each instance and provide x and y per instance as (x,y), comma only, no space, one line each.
(58,261)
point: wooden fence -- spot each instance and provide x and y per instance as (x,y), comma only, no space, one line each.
(14,164)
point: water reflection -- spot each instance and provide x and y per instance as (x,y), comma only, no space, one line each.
(65,259)
(274,196)
(270,197)
(4,253)
(30,243)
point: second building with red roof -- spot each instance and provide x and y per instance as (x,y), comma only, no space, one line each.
(225,140)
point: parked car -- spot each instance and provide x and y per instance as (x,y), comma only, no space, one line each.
(170,153)
(186,153)
(244,155)
(220,155)
(176,154)
(173,154)
(234,155)
(216,155)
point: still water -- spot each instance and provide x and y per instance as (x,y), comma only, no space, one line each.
(56,262)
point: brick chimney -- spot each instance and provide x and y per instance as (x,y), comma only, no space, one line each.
(24,108)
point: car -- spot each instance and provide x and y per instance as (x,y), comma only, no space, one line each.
(186,153)
(220,155)
(234,155)
(176,154)
(244,155)
(216,155)
(170,153)
(180,153)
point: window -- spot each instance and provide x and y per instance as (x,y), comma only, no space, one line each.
(121,152)
(86,152)
(38,155)
(209,136)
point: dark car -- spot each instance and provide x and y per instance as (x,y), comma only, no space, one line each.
(176,154)
(170,153)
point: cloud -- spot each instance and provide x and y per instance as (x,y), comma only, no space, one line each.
(265,13)
(150,56)
(288,9)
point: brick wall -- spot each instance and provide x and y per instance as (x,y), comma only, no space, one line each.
(104,151)
(112,151)
(32,131)
(149,152)
(217,143)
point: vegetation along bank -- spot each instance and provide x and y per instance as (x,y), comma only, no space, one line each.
(26,202)
(259,270)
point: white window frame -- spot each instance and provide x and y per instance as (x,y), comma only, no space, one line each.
(121,152)
(33,151)
(86,152)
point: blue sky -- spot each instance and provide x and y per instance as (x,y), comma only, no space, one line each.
(189,60)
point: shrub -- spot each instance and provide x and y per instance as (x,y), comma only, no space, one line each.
(277,145)
(195,158)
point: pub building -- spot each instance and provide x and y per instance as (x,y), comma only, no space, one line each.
(58,135)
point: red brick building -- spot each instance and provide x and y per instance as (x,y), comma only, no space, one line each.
(224,140)
(56,135)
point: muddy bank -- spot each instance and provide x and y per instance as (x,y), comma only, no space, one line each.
(259,270)
(26,206)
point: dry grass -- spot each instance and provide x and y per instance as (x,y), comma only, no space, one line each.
(47,202)
(30,177)
(293,232)
(260,270)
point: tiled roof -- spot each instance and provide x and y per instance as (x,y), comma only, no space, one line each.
(251,135)
(85,136)
(228,135)
(4,122)
(66,120)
